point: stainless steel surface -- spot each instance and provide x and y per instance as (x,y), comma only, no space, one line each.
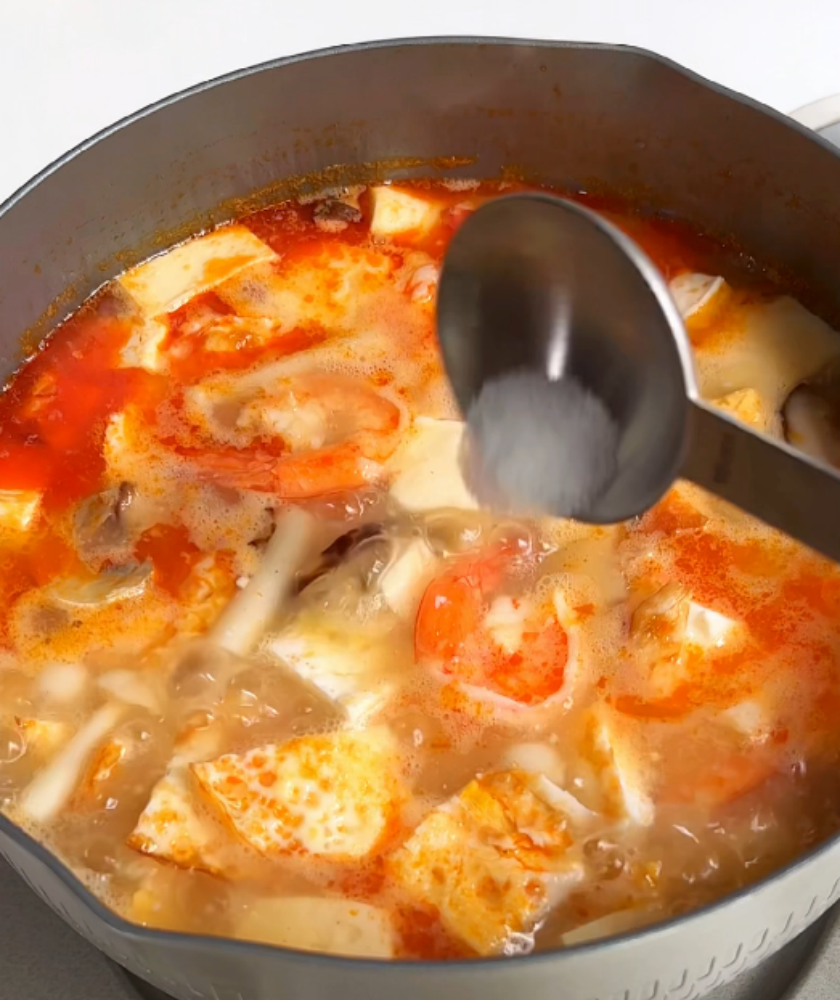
(575,116)
(539,283)
(767,478)
(536,282)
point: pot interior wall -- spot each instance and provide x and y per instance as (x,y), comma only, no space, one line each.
(577,116)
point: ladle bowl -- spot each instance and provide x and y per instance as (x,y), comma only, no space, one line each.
(539,283)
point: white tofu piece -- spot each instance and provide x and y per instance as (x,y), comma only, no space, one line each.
(18,509)
(330,289)
(538,758)
(126,445)
(616,768)
(327,925)
(667,626)
(751,718)
(343,665)
(778,344)
(333,796)
(173,826)
(403,581)
(426,469)
(167,282)
(397,213)
(709,629)
(51,788)
(693,292)
(143,349)
(492,861)
(119,439)
(133,454)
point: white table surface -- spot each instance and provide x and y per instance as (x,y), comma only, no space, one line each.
(71,67)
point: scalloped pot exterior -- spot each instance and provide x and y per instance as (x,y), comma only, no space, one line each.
(573,115)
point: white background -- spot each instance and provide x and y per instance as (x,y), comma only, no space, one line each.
(71,67)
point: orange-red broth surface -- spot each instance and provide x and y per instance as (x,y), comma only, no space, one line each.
(398,725)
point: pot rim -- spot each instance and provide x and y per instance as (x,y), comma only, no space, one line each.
(240,948)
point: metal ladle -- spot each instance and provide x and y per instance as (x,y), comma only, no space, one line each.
(535,282)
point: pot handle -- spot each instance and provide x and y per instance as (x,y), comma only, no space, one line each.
(821,116)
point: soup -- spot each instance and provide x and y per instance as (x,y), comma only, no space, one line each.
(268,672)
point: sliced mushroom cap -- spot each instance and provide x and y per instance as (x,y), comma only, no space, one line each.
(341,550)
(334,213)
(811,416)
(100,519)
(119,583)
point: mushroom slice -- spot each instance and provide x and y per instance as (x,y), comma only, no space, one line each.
(100,520)
(811,416)
(338,552)
(119,583)
(335,214)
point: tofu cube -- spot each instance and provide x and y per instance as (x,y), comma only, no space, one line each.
(174,828)
(398,213)
(144,347)
(709,629)
(426,470)
(165,283)
(404,580)
(493,861)
(343,665)
(752,718)
(539,758)
(328,288)
(334,796)
(317,923)
(616,768)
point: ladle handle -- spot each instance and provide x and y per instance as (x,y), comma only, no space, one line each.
(765,477)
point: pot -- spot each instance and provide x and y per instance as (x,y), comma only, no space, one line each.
(577,116)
